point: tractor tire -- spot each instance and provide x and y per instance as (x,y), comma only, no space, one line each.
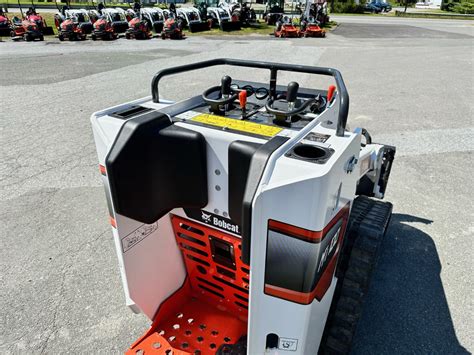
(41,38)
(61,37)
(127,36)
(93,37)
(359,254)
(27,37)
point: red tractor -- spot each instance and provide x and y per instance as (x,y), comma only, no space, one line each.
(286,28)
(172,28)
(5,24)
(68,29)
(310,28)
(103,30)
(25,29)
(138,29)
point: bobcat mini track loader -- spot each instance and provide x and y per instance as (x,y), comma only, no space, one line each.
(242,216)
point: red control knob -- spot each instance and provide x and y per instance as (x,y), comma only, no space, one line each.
(243,99)
(331,91)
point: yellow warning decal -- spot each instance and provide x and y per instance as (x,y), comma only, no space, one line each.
(237,125)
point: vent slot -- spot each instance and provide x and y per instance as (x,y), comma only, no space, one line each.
(210,284)
(192,239)
(211,291)
(225,272)
(241,305)
(193,258)
(131,112)
(193,249)
(244,269)
(244,279)
(191,229)
(241,297)
(231,285)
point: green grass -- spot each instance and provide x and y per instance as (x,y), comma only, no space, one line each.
(351,14)
(259,29)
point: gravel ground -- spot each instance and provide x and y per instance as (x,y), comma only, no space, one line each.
(411,85)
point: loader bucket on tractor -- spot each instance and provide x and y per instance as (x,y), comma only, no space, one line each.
(230,26)
(199,26)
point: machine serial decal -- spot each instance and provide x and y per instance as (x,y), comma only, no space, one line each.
(213,220)
(237,125)
(317,137)
(132,239)
(288,344)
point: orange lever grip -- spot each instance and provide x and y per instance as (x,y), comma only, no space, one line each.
(331,91)
(243,98)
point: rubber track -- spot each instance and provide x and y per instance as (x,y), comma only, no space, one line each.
(367,226)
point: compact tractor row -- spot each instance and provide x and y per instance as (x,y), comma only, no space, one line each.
(136,22)
(109,23)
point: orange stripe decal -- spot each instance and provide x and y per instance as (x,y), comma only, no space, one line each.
(306,234)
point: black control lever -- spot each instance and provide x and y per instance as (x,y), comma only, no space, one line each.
(292,91)
(284,117)
(226,81)
(228,96)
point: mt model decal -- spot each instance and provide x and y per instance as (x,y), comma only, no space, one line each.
(300,263)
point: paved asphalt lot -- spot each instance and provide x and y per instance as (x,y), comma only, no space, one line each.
(411,85)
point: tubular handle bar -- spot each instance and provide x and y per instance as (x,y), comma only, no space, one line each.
(274,68)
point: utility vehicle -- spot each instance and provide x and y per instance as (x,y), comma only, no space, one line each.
(243,217)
